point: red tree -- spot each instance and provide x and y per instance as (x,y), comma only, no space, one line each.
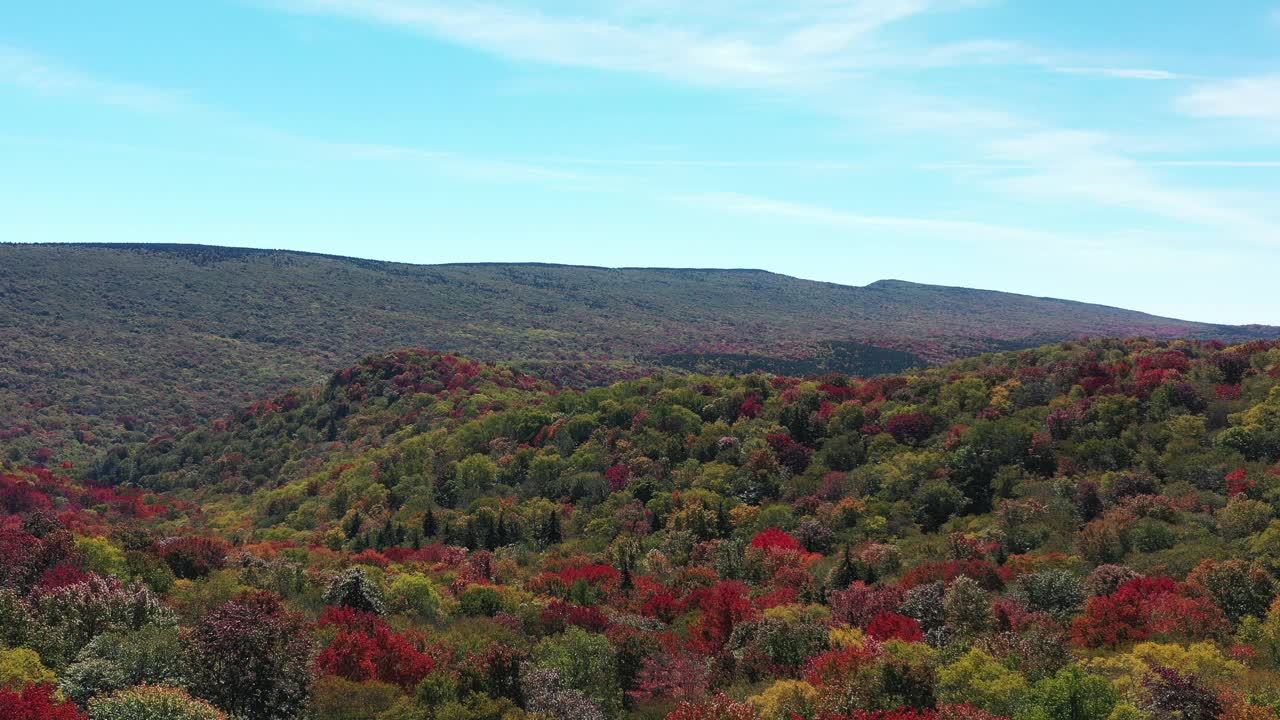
(888,626)
(775,539)
(910,428)
(366,649)
(35,702)
(724,606)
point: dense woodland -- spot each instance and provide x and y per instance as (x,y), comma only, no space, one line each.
(1084,531)
(103,344)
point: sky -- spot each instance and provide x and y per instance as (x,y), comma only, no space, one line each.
(1121,153)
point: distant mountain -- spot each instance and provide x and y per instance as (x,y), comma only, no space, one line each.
(104,343)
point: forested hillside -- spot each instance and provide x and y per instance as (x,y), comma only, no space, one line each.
(108,343)
(1083,531)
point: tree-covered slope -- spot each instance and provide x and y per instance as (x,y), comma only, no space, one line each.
(1082,531)
(100,343)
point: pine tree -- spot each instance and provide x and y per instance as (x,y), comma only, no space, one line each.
(551,534)
(849,571)
(724,526)
(353,525)
(429,526)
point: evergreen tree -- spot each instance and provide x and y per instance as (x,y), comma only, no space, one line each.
(353,525)
(849,571)
(551,534)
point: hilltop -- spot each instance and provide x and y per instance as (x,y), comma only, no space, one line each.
(429,536)
(107,343)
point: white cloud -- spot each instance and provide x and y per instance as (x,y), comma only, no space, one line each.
(1244,164)
(43,76)
(800,42)
(966,230)
(32,72)
(1254,98)
(1121,73)
(1082,166)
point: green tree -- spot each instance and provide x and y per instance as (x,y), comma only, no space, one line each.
(1072,694)
(586,662)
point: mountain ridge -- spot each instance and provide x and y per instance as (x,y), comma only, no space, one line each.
(100,341)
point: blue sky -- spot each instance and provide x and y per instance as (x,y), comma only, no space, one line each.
(1122,153)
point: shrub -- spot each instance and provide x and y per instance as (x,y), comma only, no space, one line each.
(717,707)
(980,679)
(1171,694)
(1072,694)
(546,694)
(585,662)
(1243,517)
(415,594)
(336,698)
(35,702)
(786,700)
(891,626)
(74,615)
(353,589)
(778,647)
(114,661)
(15,618)
(967,606)
(1237,588)
(1056,592)
(20,667)
(101,557)
(910,428)
(480,600)
(251,657)
(374,653)
(1106,579)
(152,703)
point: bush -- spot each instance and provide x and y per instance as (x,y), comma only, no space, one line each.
(1106,579)
(114,661)
(20,667)
(152,703)
(415,594)
(1072,694)
(786,700)
(1239,589)
(1056,592)
(73,615)
(585,662)
(35,702)
(251,657)
(353,589)
(15,619)
(545,694)
(336,698)
(365,649)
(980,679)
(101,557)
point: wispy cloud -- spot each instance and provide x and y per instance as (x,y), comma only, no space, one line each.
(1243,164)
(27,70)
(44,76)
(1077,166)
(802,42)
(1114,253)
(966,230)
(1121,73)
(1254,98)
